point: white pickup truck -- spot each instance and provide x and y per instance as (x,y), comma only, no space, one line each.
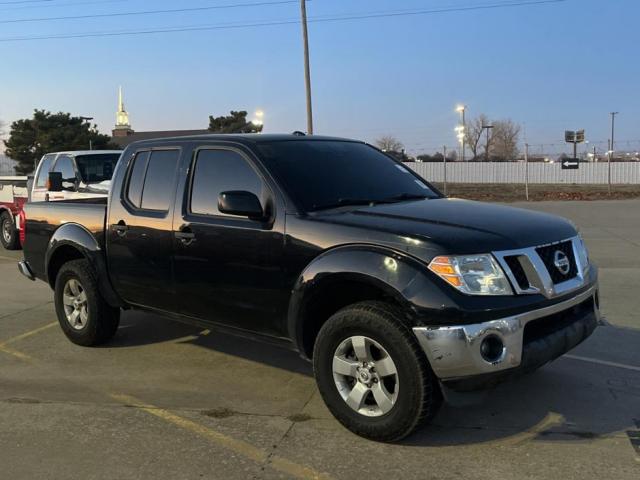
(85,174)
(13,195)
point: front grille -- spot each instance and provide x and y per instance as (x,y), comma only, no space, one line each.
(548,254)
(518,272)
(545,326)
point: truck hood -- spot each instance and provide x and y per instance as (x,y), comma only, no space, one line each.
(458,226)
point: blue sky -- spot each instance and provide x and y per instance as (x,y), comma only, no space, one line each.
(550,67)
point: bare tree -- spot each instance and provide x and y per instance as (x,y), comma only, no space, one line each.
(505,140)
(473,133)
(389,143)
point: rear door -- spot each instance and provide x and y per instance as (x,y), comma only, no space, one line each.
(140,236)
(230,272)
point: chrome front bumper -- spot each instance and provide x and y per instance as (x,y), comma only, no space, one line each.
(454,351)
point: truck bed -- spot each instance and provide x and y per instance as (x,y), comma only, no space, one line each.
(43,219)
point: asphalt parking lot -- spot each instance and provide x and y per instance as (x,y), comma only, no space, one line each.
(165,400)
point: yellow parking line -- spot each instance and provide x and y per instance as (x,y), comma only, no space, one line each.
(238,446)
(15,353)
(551,420)
(28,334)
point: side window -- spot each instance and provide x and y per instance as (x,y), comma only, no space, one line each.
(43,173)
(159,181)
(136,178)
(218,171)
(64,165)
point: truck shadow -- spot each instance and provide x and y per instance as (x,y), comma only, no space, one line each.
(568,400)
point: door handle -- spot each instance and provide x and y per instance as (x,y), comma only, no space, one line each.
(120,228)
(185,236)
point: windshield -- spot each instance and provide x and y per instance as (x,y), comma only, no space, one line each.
(97,168)
(328,174)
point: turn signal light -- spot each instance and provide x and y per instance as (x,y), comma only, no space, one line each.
(443,267)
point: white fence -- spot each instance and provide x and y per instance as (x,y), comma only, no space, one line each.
(514,172)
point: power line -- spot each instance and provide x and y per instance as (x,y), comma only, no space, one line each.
(148,12)
(24,1)
(320,19)
(58,5)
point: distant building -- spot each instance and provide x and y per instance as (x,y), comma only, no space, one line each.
(123,134)
(6,165)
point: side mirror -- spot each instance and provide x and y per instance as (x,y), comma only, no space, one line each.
(245,204)
(54,182)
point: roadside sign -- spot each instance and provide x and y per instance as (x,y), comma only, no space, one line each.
(570,164)
(569,136)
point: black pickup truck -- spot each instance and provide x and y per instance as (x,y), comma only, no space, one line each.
(327,246)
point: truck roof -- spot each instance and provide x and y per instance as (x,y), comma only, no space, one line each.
(243,138)
(75,153)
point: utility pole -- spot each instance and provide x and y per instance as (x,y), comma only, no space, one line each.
(613,125)
(462,130)
(526,171)
(486,149)
(444,159)
(610,152)
(307,71)
(464,133)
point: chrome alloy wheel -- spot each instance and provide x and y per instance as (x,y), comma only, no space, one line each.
(7,230)
(74,299)
(365,376)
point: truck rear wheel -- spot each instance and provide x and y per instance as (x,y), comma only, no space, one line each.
(8,234)
(86,319)
(372,374)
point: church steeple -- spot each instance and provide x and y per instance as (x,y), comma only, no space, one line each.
(122,117)
(123,127)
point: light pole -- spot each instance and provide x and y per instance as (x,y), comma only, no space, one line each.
(88,119)
(463,126)
(486,150)
(613,126)
(307,70)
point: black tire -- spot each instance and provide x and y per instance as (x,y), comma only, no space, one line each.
(8,229)
(102,320)
(418,395)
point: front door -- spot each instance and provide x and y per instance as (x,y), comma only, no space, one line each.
(139,230)
(227,267)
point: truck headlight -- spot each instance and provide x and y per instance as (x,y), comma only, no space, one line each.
(472,274)
(583,254)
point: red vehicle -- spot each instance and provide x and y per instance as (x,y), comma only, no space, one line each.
(13,195)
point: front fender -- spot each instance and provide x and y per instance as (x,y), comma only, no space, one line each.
(398,275)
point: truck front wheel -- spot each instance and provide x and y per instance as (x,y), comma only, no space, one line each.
(8,234)
(372,374)
(86,319)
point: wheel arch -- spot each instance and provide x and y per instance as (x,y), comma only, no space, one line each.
(347,275)
(73,241)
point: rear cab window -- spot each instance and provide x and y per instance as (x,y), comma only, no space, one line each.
(96,168)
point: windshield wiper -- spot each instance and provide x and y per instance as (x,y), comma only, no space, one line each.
(405,196)
(344,202)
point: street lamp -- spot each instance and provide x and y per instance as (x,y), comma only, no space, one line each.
(486,150)
(88,119)
(259,118)
(461,130)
